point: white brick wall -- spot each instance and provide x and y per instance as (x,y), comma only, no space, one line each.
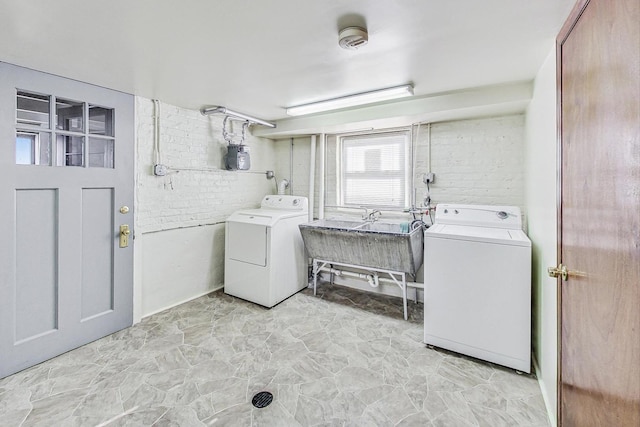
(179,246)
(479,161)
(282,171)
(191,197)
(331,173)
(300,177)
(301,153)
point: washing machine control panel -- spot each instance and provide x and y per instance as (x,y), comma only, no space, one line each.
(508,217)
(285,202)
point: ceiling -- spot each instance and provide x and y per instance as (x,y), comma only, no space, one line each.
(259,57)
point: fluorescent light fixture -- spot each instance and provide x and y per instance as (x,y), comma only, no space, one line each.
(352,100)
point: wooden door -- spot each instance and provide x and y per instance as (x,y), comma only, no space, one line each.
(599,108)
(66,169)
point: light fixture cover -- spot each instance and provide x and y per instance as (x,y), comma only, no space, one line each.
(352,100)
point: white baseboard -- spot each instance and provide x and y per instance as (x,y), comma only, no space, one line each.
(545,397)
(216,288)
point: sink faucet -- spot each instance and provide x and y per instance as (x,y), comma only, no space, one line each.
(374,215)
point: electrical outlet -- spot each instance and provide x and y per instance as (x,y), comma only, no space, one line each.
(428,178)
(160,170)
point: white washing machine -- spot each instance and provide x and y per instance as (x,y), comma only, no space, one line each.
(265,261)
(477,284)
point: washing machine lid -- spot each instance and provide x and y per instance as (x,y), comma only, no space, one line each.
(266,217)
(503,236)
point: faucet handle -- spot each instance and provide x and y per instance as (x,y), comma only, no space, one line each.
(366,213)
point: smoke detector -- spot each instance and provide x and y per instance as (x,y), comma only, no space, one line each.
(353,38)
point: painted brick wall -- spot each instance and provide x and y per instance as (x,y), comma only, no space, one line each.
(479,161)
(193,197)
(301,152)
(179,234)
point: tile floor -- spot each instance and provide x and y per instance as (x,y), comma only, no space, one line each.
(344,358)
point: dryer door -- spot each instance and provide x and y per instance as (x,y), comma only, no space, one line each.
(247,243)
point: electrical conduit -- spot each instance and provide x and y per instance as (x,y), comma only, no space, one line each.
(156,131)
(312,175)
(323,140)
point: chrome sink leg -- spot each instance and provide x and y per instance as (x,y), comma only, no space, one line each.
(404,295)
(315,276)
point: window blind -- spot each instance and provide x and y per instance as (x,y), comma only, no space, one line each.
(374,170)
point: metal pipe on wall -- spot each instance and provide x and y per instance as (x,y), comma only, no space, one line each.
(156,131)
(291,167)
(323,139)
(235,115)
(312,175)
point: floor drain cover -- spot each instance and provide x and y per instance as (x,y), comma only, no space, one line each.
(262,399)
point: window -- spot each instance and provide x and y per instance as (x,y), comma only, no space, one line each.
(63,132)
(374,170)
(32,148)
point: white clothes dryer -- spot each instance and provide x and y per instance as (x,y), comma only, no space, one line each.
(477,284)
(265,261)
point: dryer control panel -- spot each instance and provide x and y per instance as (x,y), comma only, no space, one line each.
(285,202)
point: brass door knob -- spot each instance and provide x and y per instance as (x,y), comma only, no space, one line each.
(125,231)
(563,272)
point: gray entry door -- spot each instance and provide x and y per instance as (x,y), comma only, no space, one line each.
(66,173)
